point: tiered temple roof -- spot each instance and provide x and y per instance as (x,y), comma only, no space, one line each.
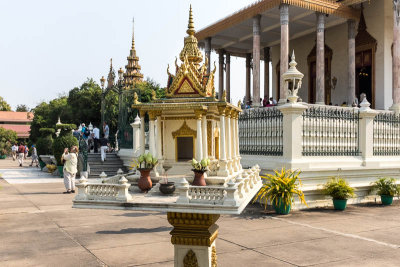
(132,69)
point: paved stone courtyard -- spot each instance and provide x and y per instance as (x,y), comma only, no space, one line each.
(39,228)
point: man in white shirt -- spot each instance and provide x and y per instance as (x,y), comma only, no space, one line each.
(14,149)
(96,137)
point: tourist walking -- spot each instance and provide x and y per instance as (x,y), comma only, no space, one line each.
(103,147)
(106,130)
(70,168)
(96,137)
(14,150)
(21,154)
(34,156)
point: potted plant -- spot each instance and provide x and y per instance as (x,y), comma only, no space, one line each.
(199,168)
(166,187)
(146,163)
(340,191)
(387,189)
(64,140)
(279,189)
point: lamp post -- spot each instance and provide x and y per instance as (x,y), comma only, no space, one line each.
(119,89)
(292,79)
(103,95)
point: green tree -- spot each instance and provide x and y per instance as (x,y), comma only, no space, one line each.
(22,108)
(46,116)
(4,106)
(85,103)
(7,139)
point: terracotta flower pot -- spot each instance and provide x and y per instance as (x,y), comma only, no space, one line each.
(199,178)
(144,182)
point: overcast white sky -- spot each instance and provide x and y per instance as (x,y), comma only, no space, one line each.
(49,47)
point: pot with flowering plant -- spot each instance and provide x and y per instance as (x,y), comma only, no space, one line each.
(146,163)
(199,168)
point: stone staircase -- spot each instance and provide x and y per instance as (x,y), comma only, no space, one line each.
(110,166)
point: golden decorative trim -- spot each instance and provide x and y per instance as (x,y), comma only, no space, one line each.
(193,229)
(190,259)
(152,115)
(185,130)
(221,110)
(135,99)
(179,118)
(209,140)
(214,257)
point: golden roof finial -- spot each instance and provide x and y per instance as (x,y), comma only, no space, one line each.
(190,29)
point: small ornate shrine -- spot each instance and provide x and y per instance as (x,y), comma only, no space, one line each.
(190,122)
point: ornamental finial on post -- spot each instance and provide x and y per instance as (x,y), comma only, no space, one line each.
(293,79)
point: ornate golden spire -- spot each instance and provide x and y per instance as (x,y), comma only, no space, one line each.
(132,73)
(190,29)
(190,49)
(190,79)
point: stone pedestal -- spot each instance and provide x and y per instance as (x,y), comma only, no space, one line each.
(136,137)
(194,238)
(367,116)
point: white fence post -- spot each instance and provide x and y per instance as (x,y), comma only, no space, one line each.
(367,116)
(292,132)
(123,193)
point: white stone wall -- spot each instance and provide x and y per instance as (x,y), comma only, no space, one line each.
(379,20)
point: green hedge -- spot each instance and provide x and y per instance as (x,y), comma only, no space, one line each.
(44,144)
(61,142)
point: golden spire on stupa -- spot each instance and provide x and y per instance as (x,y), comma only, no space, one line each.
(190,80)
(132,73)
(191,49)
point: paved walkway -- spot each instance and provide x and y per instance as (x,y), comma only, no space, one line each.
(39,228)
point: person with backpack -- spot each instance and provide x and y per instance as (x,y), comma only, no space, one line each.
(21,154)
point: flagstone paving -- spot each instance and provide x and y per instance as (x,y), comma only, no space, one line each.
(39,228)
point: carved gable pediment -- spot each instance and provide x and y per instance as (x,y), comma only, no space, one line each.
(185,130)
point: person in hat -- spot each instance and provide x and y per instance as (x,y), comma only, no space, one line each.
(70,168)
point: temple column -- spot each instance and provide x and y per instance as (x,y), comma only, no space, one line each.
(228,139)
(256,60)
(234,140)
(396,58)
(213,123)
(248,64)
(228,77)
(352,61)
(204,136)
(284,12)
(223,166)
(266,72)
(208,53)
(136,137)
(239,166)
(142,133)
(158,141)
(320,53)
(152,143)
(221,74)
(199,143)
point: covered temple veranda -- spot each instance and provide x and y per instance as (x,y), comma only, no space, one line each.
(333,47)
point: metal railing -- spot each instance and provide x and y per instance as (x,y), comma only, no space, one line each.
(386,134)
(261,132)
(330,131)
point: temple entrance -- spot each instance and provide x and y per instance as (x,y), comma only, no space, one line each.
(364,75)
(184,148)
(312,81)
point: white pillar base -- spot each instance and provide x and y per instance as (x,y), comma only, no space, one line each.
(223,168)
(395,108)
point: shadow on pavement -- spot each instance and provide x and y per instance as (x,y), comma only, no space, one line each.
(136,230)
